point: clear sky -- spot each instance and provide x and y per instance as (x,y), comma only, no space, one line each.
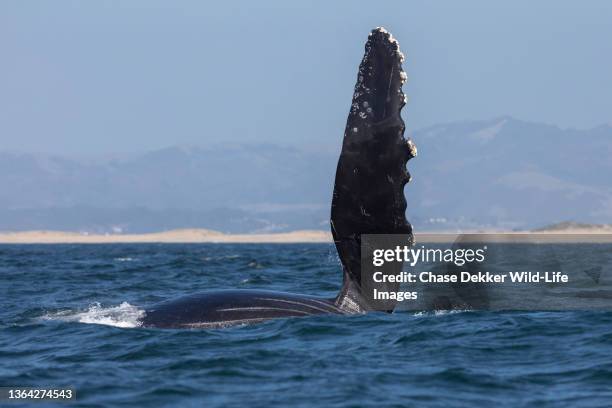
(124,76)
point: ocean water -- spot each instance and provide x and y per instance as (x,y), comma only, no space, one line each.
(69,317)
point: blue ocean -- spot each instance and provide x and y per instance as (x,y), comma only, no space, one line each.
(69,317)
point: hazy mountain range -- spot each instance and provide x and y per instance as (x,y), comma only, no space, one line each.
(502,173)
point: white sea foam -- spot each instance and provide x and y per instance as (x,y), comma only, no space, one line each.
(440,312)
(124,315)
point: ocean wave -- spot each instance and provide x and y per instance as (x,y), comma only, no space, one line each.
(125,315)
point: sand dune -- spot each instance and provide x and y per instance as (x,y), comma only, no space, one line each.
(181,235)
(603,234)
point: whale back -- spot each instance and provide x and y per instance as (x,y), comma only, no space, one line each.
(224,308)
(368,193)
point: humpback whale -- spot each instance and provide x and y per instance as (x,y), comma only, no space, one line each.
(368,198)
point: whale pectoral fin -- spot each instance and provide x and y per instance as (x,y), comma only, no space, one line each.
(368,193)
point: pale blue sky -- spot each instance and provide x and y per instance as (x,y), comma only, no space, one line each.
(123,76)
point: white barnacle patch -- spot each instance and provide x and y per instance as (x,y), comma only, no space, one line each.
(403,77)
(366,105)
(363,115)
(412,148)
(355,130)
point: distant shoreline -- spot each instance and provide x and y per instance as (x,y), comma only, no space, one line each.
(603,234)
(172,236)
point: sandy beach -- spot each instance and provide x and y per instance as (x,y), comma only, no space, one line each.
(602,234)
(173,236)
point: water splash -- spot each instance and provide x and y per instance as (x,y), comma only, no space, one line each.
(440,312)
(125,315)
